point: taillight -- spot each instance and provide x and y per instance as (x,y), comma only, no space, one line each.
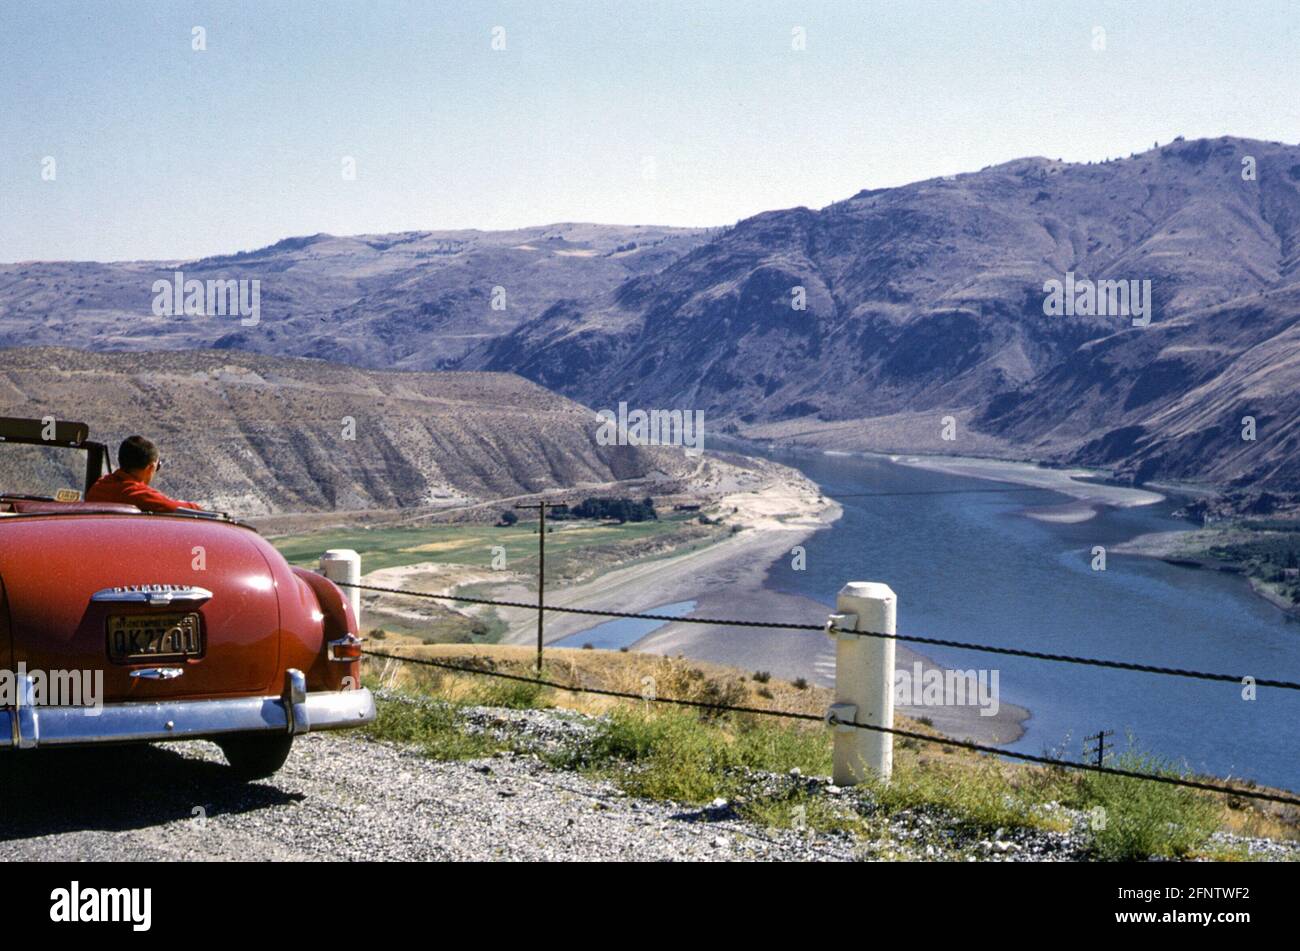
(346,649)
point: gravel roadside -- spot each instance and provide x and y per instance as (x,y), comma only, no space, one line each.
(342,796)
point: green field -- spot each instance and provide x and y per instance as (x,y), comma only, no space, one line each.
(573,548)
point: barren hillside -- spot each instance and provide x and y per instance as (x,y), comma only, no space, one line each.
(253,434)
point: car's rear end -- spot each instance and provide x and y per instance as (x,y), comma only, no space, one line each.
(170,626)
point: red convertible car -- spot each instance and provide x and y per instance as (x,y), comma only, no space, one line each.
(193,625)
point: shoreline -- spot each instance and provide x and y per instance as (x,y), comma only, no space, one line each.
(1181,548)
(775,518)
(1087,499)
(728,580)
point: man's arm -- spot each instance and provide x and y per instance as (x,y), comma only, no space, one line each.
(148,499)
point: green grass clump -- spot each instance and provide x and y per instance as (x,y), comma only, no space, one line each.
(1139,819)
(432,726)
(676,755)
(512,694)
(976,797)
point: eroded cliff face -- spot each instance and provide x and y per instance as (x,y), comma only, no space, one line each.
(253,434)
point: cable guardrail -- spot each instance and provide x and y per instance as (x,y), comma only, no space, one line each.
(833,721)
(825,628)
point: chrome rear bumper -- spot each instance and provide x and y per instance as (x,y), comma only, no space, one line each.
(26,726)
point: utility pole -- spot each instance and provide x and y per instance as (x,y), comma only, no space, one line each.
(1102,739)
(541,566)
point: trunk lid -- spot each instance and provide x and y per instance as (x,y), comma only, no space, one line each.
(98,592)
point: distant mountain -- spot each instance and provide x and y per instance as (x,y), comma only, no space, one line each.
(928,300)
(252,434)
(411,301)
(918,303)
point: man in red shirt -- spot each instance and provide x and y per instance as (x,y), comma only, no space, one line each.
(140,462)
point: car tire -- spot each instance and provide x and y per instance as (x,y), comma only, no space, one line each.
(256,755)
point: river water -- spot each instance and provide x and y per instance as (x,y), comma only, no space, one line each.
(624,632)
(966,566)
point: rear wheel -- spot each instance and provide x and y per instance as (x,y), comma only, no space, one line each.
(256,755)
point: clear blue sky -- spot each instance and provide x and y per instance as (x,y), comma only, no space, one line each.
(164,152)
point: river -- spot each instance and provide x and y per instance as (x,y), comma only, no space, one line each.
(966,566)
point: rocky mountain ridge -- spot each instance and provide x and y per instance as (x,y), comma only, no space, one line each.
(901,319)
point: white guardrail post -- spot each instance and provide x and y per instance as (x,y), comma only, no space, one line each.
(344,564)
(864,681)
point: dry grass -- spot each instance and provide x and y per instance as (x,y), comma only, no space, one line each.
(923,771)
(630,672)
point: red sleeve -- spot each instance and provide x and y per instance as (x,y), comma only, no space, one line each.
(148,499)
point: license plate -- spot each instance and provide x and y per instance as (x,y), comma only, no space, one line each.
(147,637)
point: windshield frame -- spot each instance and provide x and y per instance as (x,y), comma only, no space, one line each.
(52,434)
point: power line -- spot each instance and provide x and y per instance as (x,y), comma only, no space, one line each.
(814,718)
(908,638)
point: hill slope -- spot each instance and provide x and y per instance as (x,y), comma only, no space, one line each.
(254,434)
(927,300)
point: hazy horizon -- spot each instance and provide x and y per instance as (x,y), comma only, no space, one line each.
(663,115)
(550,224)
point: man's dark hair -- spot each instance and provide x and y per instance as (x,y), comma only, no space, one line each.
(136,453)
